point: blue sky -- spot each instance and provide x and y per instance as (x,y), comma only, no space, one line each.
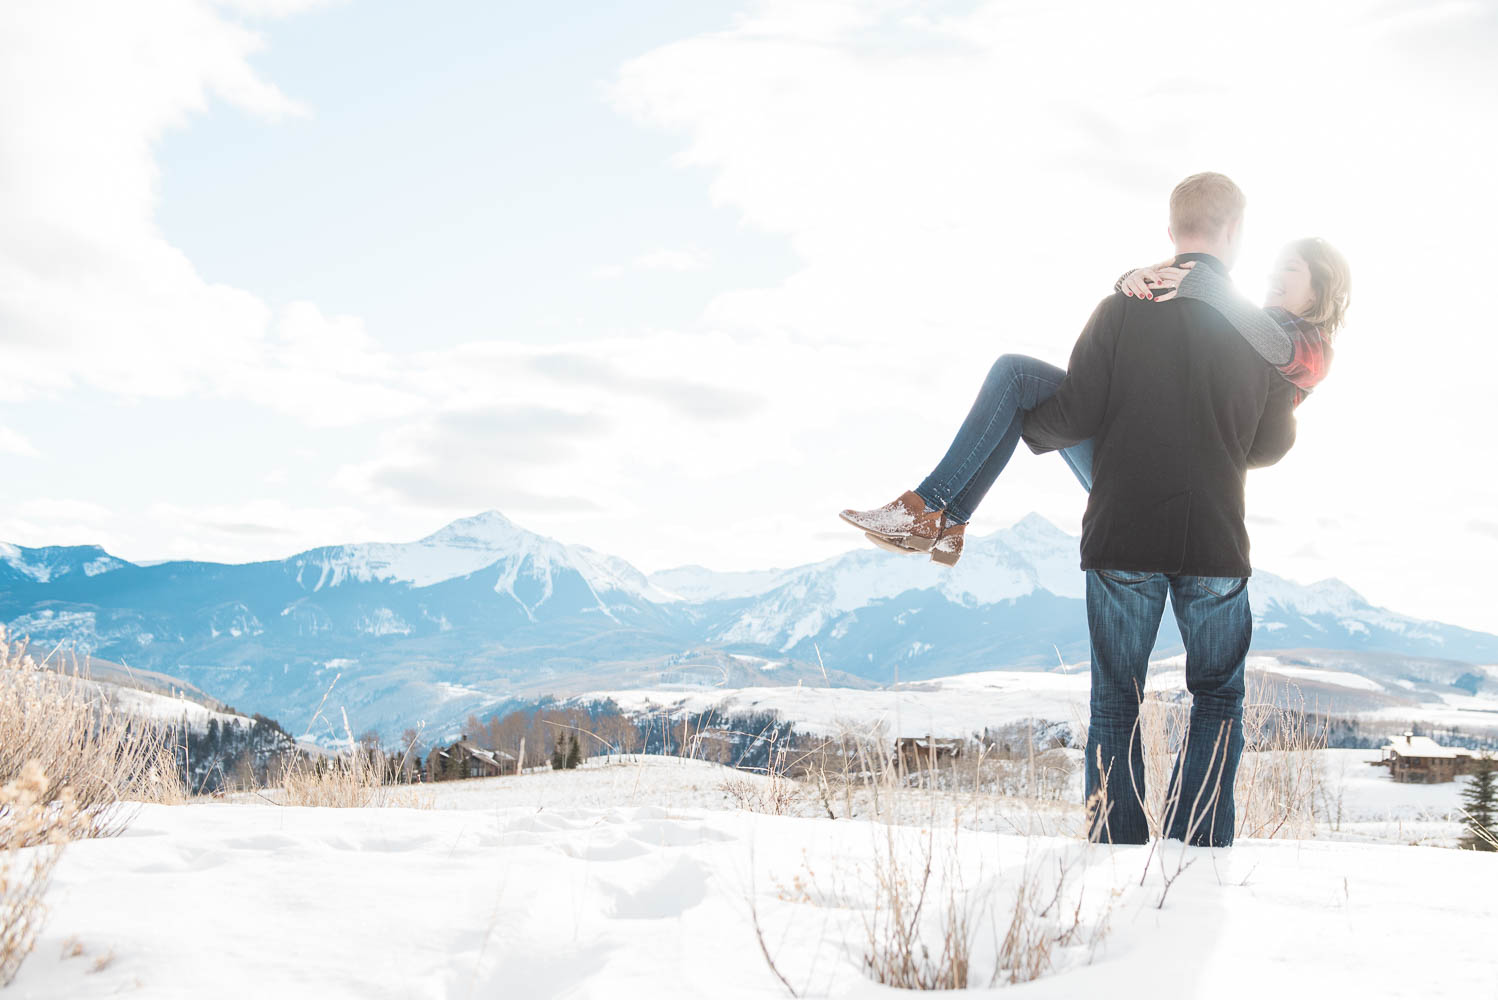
(680,280)
(460,176)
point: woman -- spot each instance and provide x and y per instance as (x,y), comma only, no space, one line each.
(1309,290)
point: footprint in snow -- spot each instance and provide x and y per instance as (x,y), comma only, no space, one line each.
(605,848)
(542,822)
(665,833)
(678,889)
(189,859)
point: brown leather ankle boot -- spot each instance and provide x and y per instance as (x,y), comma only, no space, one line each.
(904,520)
(947,548)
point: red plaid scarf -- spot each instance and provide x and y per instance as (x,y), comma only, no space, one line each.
(1311,355)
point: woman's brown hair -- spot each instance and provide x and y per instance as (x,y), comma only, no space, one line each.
(1331,281)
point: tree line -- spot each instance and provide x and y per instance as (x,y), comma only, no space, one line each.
(565,734)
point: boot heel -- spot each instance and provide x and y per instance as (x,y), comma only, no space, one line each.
(948,547)
(889,545)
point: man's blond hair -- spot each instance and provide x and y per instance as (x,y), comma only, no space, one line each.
(1203,205)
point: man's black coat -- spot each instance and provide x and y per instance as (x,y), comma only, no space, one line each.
(1179,407)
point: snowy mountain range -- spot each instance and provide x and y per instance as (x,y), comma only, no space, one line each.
(482,612)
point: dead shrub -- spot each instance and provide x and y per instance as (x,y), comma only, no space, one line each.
(926,927)
(1044,921)
(340,781)
(100,756)
(337,782)
(68,765)
(1280,775)
(363,776)
(776,795)
(33,830)
(908,947)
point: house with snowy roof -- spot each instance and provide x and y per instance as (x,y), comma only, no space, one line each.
(1421,760)
(917,752)
(466,759)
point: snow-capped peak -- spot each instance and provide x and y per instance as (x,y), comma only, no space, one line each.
(698,583)
(1035,527)
(490,530)
(55,561)
(467,546)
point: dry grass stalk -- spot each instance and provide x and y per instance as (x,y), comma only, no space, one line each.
(924,923)
(33,830)
(364,775)
(1480,832)
(1276,787)
(777,795)
(342,781)
(68,761)
(335,782)
(100,756)
(897,952)
(1041,923)
(1280,775)
(857,774)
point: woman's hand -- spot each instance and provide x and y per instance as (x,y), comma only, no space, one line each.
(1156,283)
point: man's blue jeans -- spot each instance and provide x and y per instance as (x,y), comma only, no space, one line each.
(989,433)
(1123,616)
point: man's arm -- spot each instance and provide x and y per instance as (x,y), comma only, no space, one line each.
(1276,430)
(1075,413)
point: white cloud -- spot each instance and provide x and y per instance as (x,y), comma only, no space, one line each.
(276,8)
(41,521)
(687,259)
(954,186)
(15,443)
(270,527)
(960,186)
(672,260)
(328,371)
(90,293)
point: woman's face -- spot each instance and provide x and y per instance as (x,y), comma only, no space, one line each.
(1290,285)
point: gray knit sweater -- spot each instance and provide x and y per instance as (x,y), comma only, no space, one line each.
(1263,332)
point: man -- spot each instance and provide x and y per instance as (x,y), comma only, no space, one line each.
(1179,407)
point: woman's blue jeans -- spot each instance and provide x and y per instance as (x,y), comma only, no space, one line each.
(989,434)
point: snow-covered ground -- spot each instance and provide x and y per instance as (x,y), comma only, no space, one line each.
(950,706)
(1363,802)
(964,704)
(640,879)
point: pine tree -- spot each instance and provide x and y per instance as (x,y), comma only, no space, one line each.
(574,753)
(451,766)
(1480,800)
(558,755)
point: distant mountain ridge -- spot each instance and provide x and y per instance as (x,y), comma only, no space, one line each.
(483,611)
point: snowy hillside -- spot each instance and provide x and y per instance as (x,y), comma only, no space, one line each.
(965,704)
